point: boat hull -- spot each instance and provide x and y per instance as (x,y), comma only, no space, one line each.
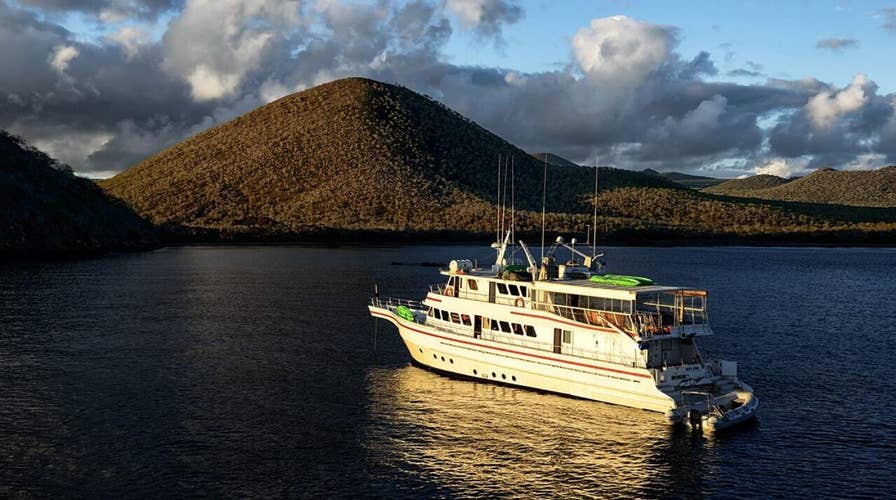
(490,361)
(741,414)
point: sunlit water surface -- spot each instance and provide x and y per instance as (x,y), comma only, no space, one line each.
(256,371)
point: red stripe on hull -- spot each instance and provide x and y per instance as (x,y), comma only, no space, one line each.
(538,356)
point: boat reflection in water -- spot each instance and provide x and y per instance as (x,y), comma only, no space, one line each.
(468,438)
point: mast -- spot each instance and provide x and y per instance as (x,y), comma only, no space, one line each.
(504,200)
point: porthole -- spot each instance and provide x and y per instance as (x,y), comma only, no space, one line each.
(443,358)
(435,357)
(451,361)
(420,349)
(493,375)
(513,377)
(503,376)
(475,372)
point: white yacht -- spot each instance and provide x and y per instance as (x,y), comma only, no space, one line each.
(572,329)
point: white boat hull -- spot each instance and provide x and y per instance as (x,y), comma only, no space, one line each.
(530,368)
(730,418)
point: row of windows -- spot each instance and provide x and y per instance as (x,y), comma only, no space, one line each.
(520,291)
(461,319)
(507,327)
(587,302)
(495,325)
(504,289)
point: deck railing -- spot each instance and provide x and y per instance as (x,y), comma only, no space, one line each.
(643,324)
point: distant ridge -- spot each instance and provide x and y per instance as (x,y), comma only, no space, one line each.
(869,188)
(687,180)
(553,159)
(350,154)
(747,184)
(45,210)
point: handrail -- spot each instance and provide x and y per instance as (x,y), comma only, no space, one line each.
(644,324)
(502,338)
(387,302)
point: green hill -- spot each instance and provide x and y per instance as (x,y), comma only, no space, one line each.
(48,211)
(352,154)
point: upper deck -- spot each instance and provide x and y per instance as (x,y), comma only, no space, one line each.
(644,312)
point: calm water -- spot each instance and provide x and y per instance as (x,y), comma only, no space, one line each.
(252,372)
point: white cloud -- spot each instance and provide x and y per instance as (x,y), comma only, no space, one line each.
(784,167)
(214,44)
(621,50)
(132,39)
(72,147)
(61,56)
(485,17)
(206,83)
(825,107)
(868,161)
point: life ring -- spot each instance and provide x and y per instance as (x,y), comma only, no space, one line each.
(449,291)
(520,302)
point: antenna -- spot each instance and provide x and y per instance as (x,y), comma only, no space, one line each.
(498,203)
(512,205)
(544,189)
(594,222)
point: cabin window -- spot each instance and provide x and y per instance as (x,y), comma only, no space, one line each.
(431,312)
(513,290)
(524,292)
(517,329)
(530,331)
(466,320)
(455,318)
(472,285)
(495,325)
(502,288)
(444,315)
(485,323)
(605,304)
(505,327)
(567,336)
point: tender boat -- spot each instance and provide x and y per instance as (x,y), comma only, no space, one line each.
(572,329)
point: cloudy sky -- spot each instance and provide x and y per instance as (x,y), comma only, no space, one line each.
(701,87)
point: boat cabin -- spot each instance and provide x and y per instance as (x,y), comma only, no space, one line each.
(642,312)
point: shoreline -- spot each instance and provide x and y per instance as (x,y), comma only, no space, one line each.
(384,239)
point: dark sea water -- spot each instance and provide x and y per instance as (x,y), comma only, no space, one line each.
(252,371)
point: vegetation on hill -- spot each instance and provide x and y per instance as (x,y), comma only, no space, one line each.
(737,187)
(869,188)
(364,158)
(864,188)
(350,154)
(45,210)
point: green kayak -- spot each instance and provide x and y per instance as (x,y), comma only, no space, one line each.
(620,280)
(404,312)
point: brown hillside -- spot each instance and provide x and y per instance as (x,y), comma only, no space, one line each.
(350,154)
(45,210)
(869,188)
(748,184)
